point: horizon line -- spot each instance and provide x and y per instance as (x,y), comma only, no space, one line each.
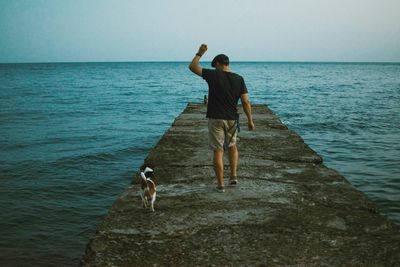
(188,61)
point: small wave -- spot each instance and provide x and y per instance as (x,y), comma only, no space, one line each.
(312,87)
(122,87)
(100,156)
(72,160)
(343,85)
(85,86)
(51,141)
(70,139)
(129,93)
(321,126)
(10,147)
(24,168)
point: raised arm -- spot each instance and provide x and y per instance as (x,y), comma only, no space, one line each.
(247,109)
(194,65)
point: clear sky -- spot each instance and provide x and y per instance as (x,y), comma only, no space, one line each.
(172,30)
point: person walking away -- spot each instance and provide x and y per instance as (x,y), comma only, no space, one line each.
(225,88)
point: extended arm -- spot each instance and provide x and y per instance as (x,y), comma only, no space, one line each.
(194,65)
(247,110)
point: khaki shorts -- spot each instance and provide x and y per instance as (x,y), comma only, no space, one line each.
(220,131)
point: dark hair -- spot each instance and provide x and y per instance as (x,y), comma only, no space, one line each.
(221,59)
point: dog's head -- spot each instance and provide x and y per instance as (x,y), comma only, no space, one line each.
(148,182)
(148,172)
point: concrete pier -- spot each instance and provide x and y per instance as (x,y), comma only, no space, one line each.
(288,209)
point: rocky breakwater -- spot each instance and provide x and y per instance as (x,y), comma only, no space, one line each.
(288,209)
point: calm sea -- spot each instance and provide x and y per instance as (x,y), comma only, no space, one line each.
(72,135)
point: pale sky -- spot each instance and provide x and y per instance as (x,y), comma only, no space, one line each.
(156,30)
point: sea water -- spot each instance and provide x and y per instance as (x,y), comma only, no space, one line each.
(73,134)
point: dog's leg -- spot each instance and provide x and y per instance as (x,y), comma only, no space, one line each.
(144,200)
(153,199)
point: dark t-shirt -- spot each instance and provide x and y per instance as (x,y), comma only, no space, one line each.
(224,91)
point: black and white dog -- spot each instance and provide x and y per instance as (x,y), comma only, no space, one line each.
(148,186)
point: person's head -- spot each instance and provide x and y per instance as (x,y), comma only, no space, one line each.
(220,62)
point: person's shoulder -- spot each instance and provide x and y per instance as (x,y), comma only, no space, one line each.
(208,74)
(209,70)
(237,76)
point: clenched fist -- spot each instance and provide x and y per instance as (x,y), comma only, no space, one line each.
(202,49)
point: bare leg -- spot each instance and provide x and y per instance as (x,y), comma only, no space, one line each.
(219,166)
(233,160)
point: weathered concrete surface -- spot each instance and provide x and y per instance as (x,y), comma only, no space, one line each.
(288,209)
